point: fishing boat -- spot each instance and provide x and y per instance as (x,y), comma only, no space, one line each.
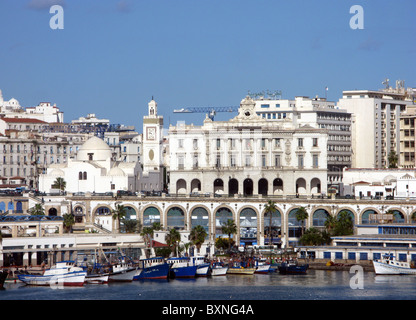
(262,267)
(218,269)
(63,273)
(292,267)
(240,268)
(153,268)
(120,267)
(388,264)
(181,267)
(202,266)
(97,278)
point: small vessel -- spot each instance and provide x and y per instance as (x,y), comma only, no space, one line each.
(153,268)
(262,267)
(218,269)
(97,278)
(292,267)
(181,267)
(120,267)
(202,266)
(240,268)
(388,264)
(63,273)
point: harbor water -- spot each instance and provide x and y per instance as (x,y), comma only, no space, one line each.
(315,285)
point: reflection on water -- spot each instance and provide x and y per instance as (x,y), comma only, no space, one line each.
(315,285)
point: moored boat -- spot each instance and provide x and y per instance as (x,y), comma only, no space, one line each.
(218,269)
(388,264)
(63,273)
(293,268)
(96,278)
(123,272)
(240,268)
(181,267)
(262,267)
(153,268)
(202,266)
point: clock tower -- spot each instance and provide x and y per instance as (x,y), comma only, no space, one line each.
(152,149)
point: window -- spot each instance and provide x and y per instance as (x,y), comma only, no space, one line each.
(248,161)
(232,161)
(315,160)
(80,175)
(195,161)
(218,162)
(85,176)
(263,161)
(180,162)
(180,143)
(218,143)
(263,143)
(265,105)
(300,142)
(300,161)
(195,144)
(277,160)
(277,142)
(314,142)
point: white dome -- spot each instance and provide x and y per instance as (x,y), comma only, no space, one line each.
(116,171)
(94,149)
(57,173)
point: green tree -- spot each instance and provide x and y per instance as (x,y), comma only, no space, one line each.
(269,209)
(229,228)
(172,239)
(393,159)
(344,225)
(59,183)
(330,223)
(130,225)
(311,237)
(118,214)
(301,215)
(69,221)
(37,210)
(197,236)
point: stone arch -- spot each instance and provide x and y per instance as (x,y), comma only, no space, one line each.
(196,185)
(294,226)
(150,214)
(319,216)
(176,217)
(301,186)
(218,186)
(52,212)
(200,215)
(221,214)
(398,215)
(181,186)
(79,213)
(247,223)
(365,215)
(272,235)
(248,187)
(277,186)
(131,211)
(350,212)
(316,186)
(232,186)
(102,210)
(263,186)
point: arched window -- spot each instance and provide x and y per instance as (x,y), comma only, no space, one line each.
(80,175)
(85,175)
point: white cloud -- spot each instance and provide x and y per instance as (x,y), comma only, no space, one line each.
(44,4)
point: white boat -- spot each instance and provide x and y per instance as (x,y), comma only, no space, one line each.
(97,278)
(218,269)
(122,272)
(64,273)
(202,266)
(388,264)
(262,267)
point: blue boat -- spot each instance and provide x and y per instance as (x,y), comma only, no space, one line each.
(181,268)
(293,268)
(153,268)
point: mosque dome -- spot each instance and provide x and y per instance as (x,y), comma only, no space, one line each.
(57,173)
(116,171)
(94,149)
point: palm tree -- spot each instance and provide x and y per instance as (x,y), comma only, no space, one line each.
(393,159)
(301,215)
(69,221)
(229,228)
(119,213)
(330,223)
(269,209)
(197,236)
(172,239)
(37,210)
(59,183)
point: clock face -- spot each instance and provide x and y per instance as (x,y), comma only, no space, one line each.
(247,113)
(151,133)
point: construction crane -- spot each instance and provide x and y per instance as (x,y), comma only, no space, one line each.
(210,111)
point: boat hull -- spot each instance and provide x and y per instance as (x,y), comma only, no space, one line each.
(97,279)
(221,271)
(293,269)
(202,270)
(265,269)
(183,272)
(386,269)
(160,271)
(71,279)
(123,275)
(241,270)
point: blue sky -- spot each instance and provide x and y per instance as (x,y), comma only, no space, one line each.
(113,56)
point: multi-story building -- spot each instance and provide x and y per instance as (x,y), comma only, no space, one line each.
(248,155)
(317,113)
(408,138)
(376,122)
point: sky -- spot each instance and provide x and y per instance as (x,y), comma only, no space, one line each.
(113,56)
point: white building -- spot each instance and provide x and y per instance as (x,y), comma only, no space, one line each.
(247,155)
(93,170)
(376,123)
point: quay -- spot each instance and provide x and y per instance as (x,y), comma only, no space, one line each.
(29,240)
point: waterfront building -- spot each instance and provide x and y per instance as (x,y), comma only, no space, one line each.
(247,155)
(408,138)
(93,170)
(317,113)
(376,119)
